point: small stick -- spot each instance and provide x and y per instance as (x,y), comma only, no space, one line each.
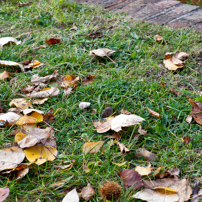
(193,70)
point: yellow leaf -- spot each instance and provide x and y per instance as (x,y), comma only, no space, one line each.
(26,120)
(92,147)
(41,153)
(165,190)
(21,103)
(19,136)
(37,116)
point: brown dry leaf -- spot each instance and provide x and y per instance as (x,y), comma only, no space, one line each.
(39,101)
(49,116)
(188,119)
(92,147)
(144,170)
(88,80)
(11,63)
(197,193)
(71,196)
(103,127)
(74,27)
(174,172)
(19,4)
(162,83)
(131,178)
(158,170)
(101,52)
(9,117)
(123,111)
(141,131)
(196,111)
(180,186)
(187,139)
(21,103)
(52,41)
(61,182)
(11,157)
(87,192)
(173,91)
(154,113)
(158,38)
(6,41)
(46,92)
(123,148)
(169,64)
(114,135)
(149,156)
(70,81)
(4,75)
(4,192)
(37,79)
(32,64)
(41,153)
(124,120)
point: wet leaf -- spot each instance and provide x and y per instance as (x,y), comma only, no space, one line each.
(12,64)
(154,113)
(87,192)
(131,179)
(11,157)
(92,147)
(69,81)
(4,192)
(4,75)
(21,103)
(72,196)
(101,52)
(6,41)
(52,41)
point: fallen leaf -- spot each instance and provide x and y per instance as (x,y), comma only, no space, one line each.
(197,193)
(114,135)
(124,120)
(154,113)
(29,120)
(37,79)
(83,105)
(69,81)
(40,152)
(131,178)
(11,157)
(196,111)
(21,173)
(21,103)
(72,196)
(149,156)
(39,101)
(174,172)
(108,111)
(46,92)
(61,182)
(144,170)
(88,80)
(173,91)
(92,147)
(31,111)
(103,127)
(4,75)
(141,131)
(19,4)
(9,117)
(4,192)
(52,41)
(6,41)
(187,139)
(188,119)
(74,27)
(87,192)
(101,52)
(119,164)
(42,46)
(49,116)
(123,148)
(68,91)
(11,63)
(158,38)
(125,112)
(162,83)
(32,64)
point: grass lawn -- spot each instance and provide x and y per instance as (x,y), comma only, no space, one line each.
(133,82)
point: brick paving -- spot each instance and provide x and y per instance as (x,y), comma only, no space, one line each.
(164,12)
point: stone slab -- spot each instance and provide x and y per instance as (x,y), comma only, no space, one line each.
(197,26)
(118,4)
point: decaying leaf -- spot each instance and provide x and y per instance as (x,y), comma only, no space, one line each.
(6,41)
(173,91)
(197,193)
(144,170)
(115,135)
(124,120)
(92,147)
(196,111)
(11,157)
(87,192)
(41,153)
(101,52)
(88,80)
(123,148)
(187,139)
(21,103)
(83,105)
(4,192)
(158,38)
(188,119)
(52,41)
(12,64)
(69,81)
(174,61)
(37,79)
(131,178)
(141,131)
(9,117)
(71,196)
(4,75)
(142,152)
(32,64)
(103,127)
(39,101)
(74,27)
(154,113)
(46,92)
(108,111)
